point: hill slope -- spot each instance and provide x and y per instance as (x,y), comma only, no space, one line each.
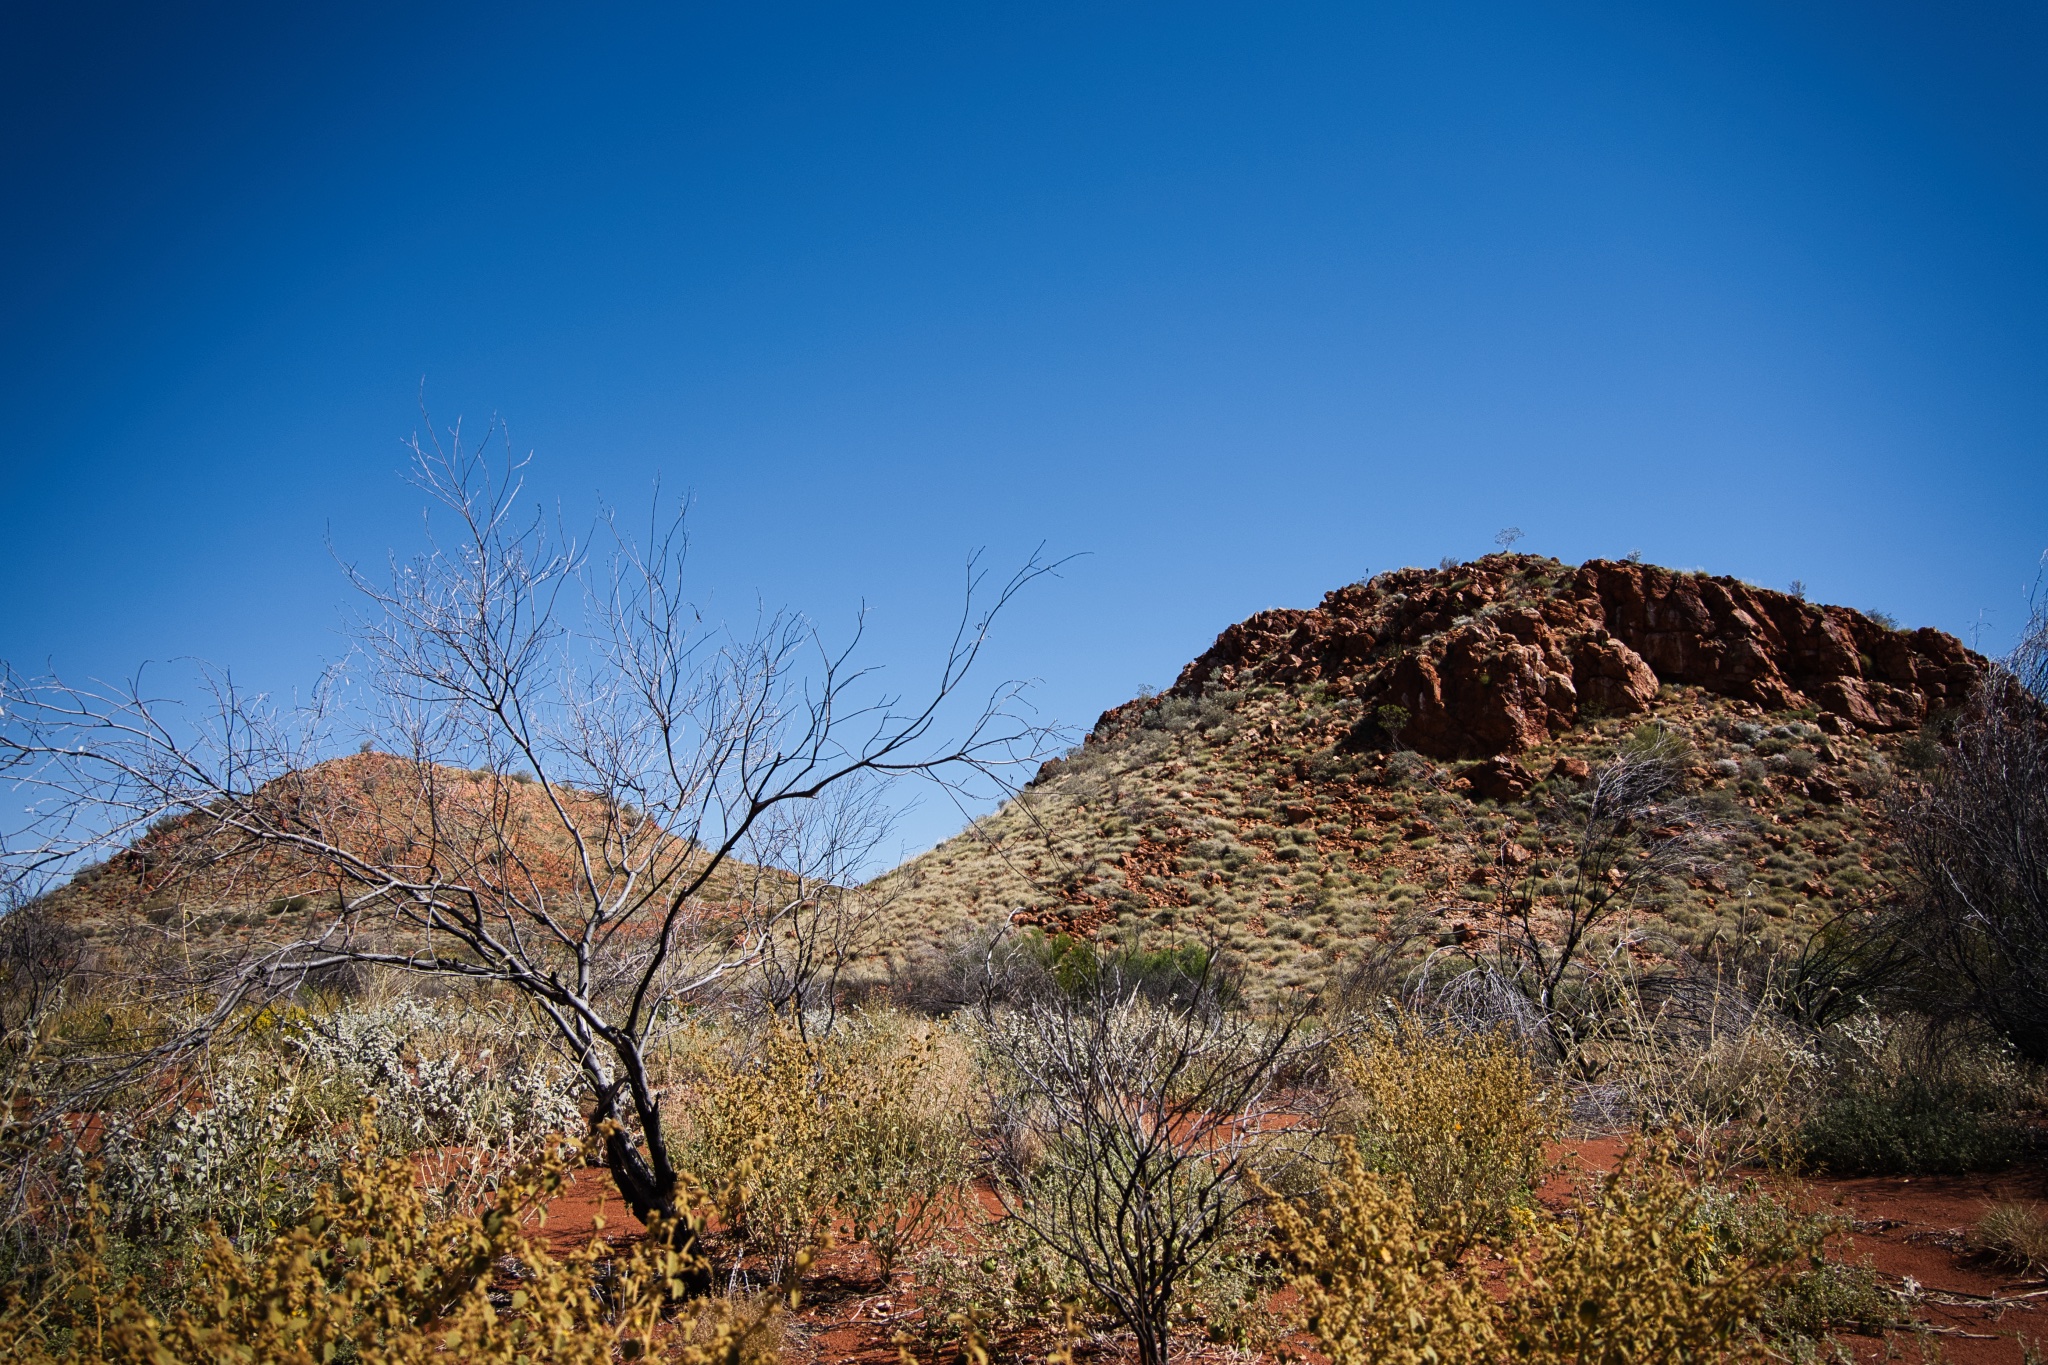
(1317,774)
(496,832)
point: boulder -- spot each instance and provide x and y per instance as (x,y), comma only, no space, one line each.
(1500,779)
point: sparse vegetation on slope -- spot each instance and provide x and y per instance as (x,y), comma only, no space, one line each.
(1321,779)
(1310,964)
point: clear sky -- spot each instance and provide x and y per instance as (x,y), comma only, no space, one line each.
(1242,301)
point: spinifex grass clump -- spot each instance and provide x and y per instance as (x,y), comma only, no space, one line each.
(2014,1234)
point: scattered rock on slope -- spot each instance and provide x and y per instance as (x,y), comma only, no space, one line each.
(1317,775)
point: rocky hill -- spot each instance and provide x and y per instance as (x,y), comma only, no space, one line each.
(1319,774)
(487,829)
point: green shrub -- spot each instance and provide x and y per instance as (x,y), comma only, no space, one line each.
(1907,1125)
(1176,973)
(1462,1117)
(866,1125)
(1814,1295)
(1897,1098)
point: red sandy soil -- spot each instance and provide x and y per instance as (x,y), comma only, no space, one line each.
(1971,1311)
(1915,1228)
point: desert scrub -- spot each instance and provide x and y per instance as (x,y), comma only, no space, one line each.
(1816,1294)
(866,1125)
(1462,1117)
(268,1118)
(998,1276)
(1123,1133)
(1640,1274)
(1001,1277)
(368,1273)
(1894,1104)
(1374,1283)
(1633,1274)
(1707,1058)
(1170,972)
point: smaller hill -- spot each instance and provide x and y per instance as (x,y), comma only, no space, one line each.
(497,832)
(1318,774)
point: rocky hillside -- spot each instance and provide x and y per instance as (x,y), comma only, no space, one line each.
(486,829)
(1317,775)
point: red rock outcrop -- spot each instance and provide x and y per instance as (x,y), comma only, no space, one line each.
(1495,656)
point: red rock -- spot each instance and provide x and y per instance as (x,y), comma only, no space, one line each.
(1577,769)
(1497,656)
(1611,676)
(1821,789)
(1500,779)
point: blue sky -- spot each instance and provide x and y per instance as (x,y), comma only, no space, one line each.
(1243,302)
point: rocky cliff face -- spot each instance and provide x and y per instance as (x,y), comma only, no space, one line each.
(1498,656)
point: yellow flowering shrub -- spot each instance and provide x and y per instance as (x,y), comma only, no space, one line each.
(866,1126)
(1634,1273)
(1462,1117)
(1637,1273)
(368,1276)
(1373,1284)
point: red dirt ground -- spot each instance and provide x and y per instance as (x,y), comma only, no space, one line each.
(1970,1310)
(1914,1228)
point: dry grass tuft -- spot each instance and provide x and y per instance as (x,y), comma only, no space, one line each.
(2016,1234)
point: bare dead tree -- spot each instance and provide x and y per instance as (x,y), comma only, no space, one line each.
(814,862)
(1126,1131)
(1632,828)
(564,767)
(1965,944)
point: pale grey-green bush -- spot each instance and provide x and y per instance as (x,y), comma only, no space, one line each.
(267,1119)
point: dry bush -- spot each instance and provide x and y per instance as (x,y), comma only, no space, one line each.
(866,1125)
(1633,831)
(368,1275)
(2016,1234)
(1124,1131)
(1707,1058)
(1634,1273)
(1973,922)
(1462,1117)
